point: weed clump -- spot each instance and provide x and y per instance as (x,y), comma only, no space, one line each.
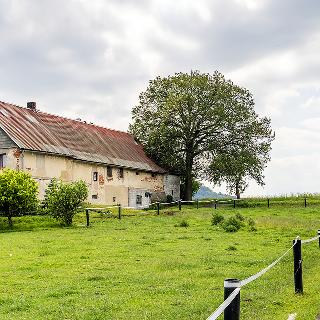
(183,224)
(231,248)
(239,216)
(252,225)
(217,218)
(232,224)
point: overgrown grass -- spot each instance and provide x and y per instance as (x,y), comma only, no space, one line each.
(144,267)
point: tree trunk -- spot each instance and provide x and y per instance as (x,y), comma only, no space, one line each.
(188,179)
(237,191)
(10,221)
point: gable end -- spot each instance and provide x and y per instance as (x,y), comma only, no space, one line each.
(5,141)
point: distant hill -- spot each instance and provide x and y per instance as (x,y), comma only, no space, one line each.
(206,193)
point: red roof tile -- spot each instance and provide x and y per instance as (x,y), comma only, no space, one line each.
(39,131)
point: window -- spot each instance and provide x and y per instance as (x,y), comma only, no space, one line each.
(94,196)
(109,172)
(137,173)
(95,176)
(1,161)
(121,172)
(114,199)
(139,199)
(153,175)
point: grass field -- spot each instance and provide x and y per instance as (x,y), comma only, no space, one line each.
(148,267)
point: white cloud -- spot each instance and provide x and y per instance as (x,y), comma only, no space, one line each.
(312,124)
(91,59)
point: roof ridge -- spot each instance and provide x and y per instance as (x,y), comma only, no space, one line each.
(66,118)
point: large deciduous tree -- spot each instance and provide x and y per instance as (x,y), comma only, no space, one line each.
(186,121)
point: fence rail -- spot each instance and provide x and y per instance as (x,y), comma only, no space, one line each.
(241,203)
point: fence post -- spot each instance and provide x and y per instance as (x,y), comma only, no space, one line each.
(297,266)
(87,216)
(305,202)
(232,312)
(158,208)
(197,204)
(268,203)
(119,211)
(319,237)
(180,204)
(234,204)
(215,204)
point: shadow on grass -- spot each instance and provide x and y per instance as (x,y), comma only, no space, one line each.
(28,223)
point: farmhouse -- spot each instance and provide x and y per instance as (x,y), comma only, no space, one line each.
(111,162)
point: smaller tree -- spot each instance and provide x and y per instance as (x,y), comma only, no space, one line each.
(62,200)
(244,160)
(18,194)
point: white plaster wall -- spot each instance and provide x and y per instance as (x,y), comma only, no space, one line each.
(172,186)
(106,190)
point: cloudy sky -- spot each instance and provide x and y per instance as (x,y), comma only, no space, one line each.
(90,59)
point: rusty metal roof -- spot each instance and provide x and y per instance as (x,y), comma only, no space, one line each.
(38,131)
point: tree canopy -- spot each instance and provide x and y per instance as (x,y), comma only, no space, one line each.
(187,121)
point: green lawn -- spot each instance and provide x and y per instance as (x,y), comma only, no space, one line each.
(147,267)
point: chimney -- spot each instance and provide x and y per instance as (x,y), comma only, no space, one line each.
(31,105)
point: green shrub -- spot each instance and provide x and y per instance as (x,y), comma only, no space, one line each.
(18,194)
(232,224)
(62,200)
(217,218)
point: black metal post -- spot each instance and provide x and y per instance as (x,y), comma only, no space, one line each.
(197,204)
(232,312)
(158,208)
(305,202)
(319,237)
(297,266)
(180,204)
(268,203)
(87,216)
(119,211)
(215,204)
(234,204)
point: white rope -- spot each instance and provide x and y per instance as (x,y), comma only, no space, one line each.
(263,271)
(224,305)
(244,282)
(311,239)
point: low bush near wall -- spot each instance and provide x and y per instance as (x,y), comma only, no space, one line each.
(62,200)
(18,194)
